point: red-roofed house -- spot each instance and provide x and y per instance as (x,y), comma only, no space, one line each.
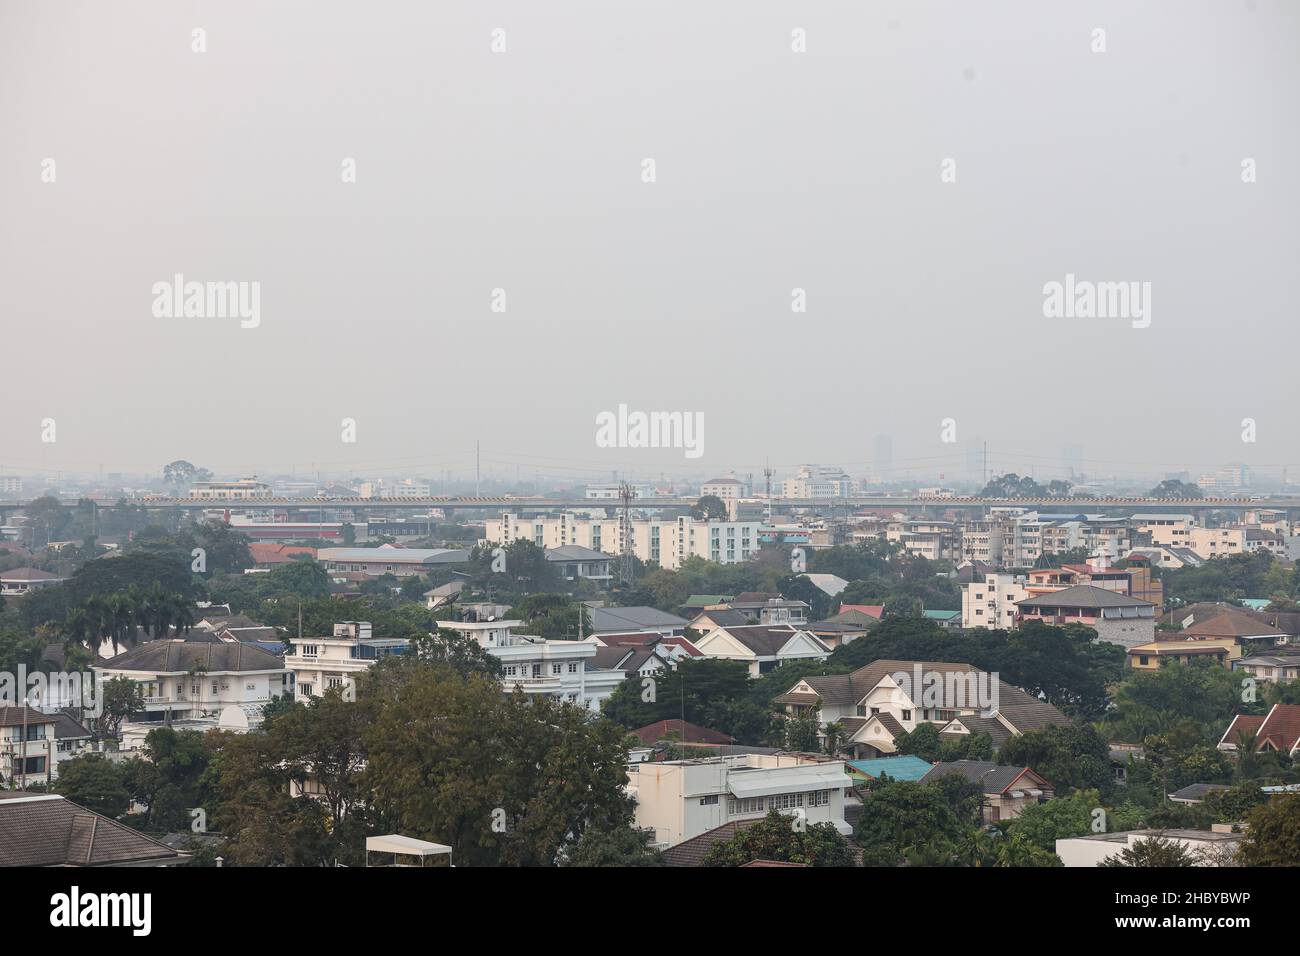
(1278,731)
(872,610)
(683,731)
(269,553)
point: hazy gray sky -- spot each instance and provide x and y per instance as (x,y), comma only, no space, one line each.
(522,170)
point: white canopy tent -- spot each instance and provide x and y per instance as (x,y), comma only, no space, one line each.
(395,846)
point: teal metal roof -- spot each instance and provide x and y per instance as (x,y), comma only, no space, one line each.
(898,768)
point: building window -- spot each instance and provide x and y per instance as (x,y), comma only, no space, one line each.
(709,801)
(907,715)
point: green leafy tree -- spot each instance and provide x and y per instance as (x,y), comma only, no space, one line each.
(1273,833)
(94,782)
(621,846)
(801,733)
(902,817)
(121,698)
(1073,757)
(1156,850)
(922,742)
(710,507)
(783,839)
(1174,488)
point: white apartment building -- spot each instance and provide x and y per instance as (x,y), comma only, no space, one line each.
(320,664)
(242,490)
(11,485)
(680,799)
(26,745)
(728,489)
(406,488)
(991,603)
(557,669)
(666,542)
(812,481)
(936,540)
(1229,478)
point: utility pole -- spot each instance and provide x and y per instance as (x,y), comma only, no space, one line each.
(24,746)
(478,469)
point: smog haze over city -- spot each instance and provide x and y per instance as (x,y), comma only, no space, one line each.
(486,435)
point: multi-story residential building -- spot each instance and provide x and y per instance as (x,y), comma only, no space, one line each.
(536,666)
(680,799)
(1217,542)
(1117,618)
(813,481)
(1097,534)
(1166,530)
(1135,581)
(613,491)
(766,608)
(193,679)
(727,489)
(1229,478)
(11,485)
(406,488)
(927,538)
(981,540)
(991,603)
(242,490)
(1273,666)
(876,703)
(666,542)
(317,665)
(26,746)
(1258,539)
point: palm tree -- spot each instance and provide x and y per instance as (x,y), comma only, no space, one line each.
(121,619)
(834,732)
(98,622)
(77,629)
(180,613)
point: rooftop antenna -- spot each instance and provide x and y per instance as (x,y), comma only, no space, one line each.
(767,474)
(626,492)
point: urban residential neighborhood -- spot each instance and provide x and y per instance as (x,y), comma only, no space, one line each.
(797,671)
(527,439)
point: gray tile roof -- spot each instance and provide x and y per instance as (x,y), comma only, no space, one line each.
(575,552)
(49,830)
(1084,595)
(993,778)
(173,656)
(630,618)
(765,640)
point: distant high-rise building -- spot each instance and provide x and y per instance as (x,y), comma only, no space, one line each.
(882,457)
(1072,461)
